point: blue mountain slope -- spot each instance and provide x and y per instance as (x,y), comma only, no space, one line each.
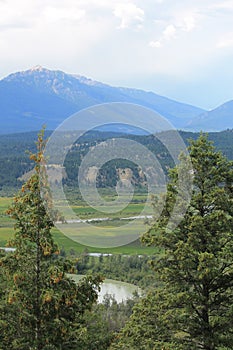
(40,96)
(220,118)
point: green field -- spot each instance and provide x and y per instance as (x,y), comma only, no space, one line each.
(5,221)
(85,212)
(69,245)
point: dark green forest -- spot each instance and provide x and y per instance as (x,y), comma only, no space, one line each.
(14,161)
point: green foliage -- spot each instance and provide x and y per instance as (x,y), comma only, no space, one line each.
(41,308)
(195,265)
(104,320)
(13,160)
(132,269)
(148,328)
(108,176)
(14,163)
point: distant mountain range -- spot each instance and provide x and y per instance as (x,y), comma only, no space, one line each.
(38,96)
(220,118)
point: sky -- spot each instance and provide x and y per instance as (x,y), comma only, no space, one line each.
(179,49)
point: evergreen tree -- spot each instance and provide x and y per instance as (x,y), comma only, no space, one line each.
(41,307)
(195,267)
(148,327)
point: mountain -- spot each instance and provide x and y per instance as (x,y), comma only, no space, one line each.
(220,118)
(38,96)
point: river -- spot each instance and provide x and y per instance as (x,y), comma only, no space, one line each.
(121,291)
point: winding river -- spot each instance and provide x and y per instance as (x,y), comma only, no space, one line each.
(121,291)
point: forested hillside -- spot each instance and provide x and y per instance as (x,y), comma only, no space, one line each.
(14,161)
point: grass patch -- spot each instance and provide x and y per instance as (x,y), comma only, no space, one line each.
(134,248)
(6,233)
(66,243)
(87,212)
(5,220)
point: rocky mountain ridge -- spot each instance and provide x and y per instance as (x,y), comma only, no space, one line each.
(39,96)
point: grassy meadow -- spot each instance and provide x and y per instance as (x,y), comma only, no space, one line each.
(72,246)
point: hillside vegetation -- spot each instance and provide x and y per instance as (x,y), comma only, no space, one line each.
(14,161)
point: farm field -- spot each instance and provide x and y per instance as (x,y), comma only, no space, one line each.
(71,246)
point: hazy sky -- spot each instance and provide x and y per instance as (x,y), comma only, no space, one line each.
(182,49)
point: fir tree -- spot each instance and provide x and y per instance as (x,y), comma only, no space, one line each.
(41,307)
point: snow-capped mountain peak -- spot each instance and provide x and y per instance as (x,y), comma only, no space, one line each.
(37,68)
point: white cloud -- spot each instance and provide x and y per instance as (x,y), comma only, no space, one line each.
(169,32)
(180,21)
(61,34)
(187,20)
(189,23)
(54,14)
(129,14)
(156,44)
(176,38)
(223,5)
(15,16)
